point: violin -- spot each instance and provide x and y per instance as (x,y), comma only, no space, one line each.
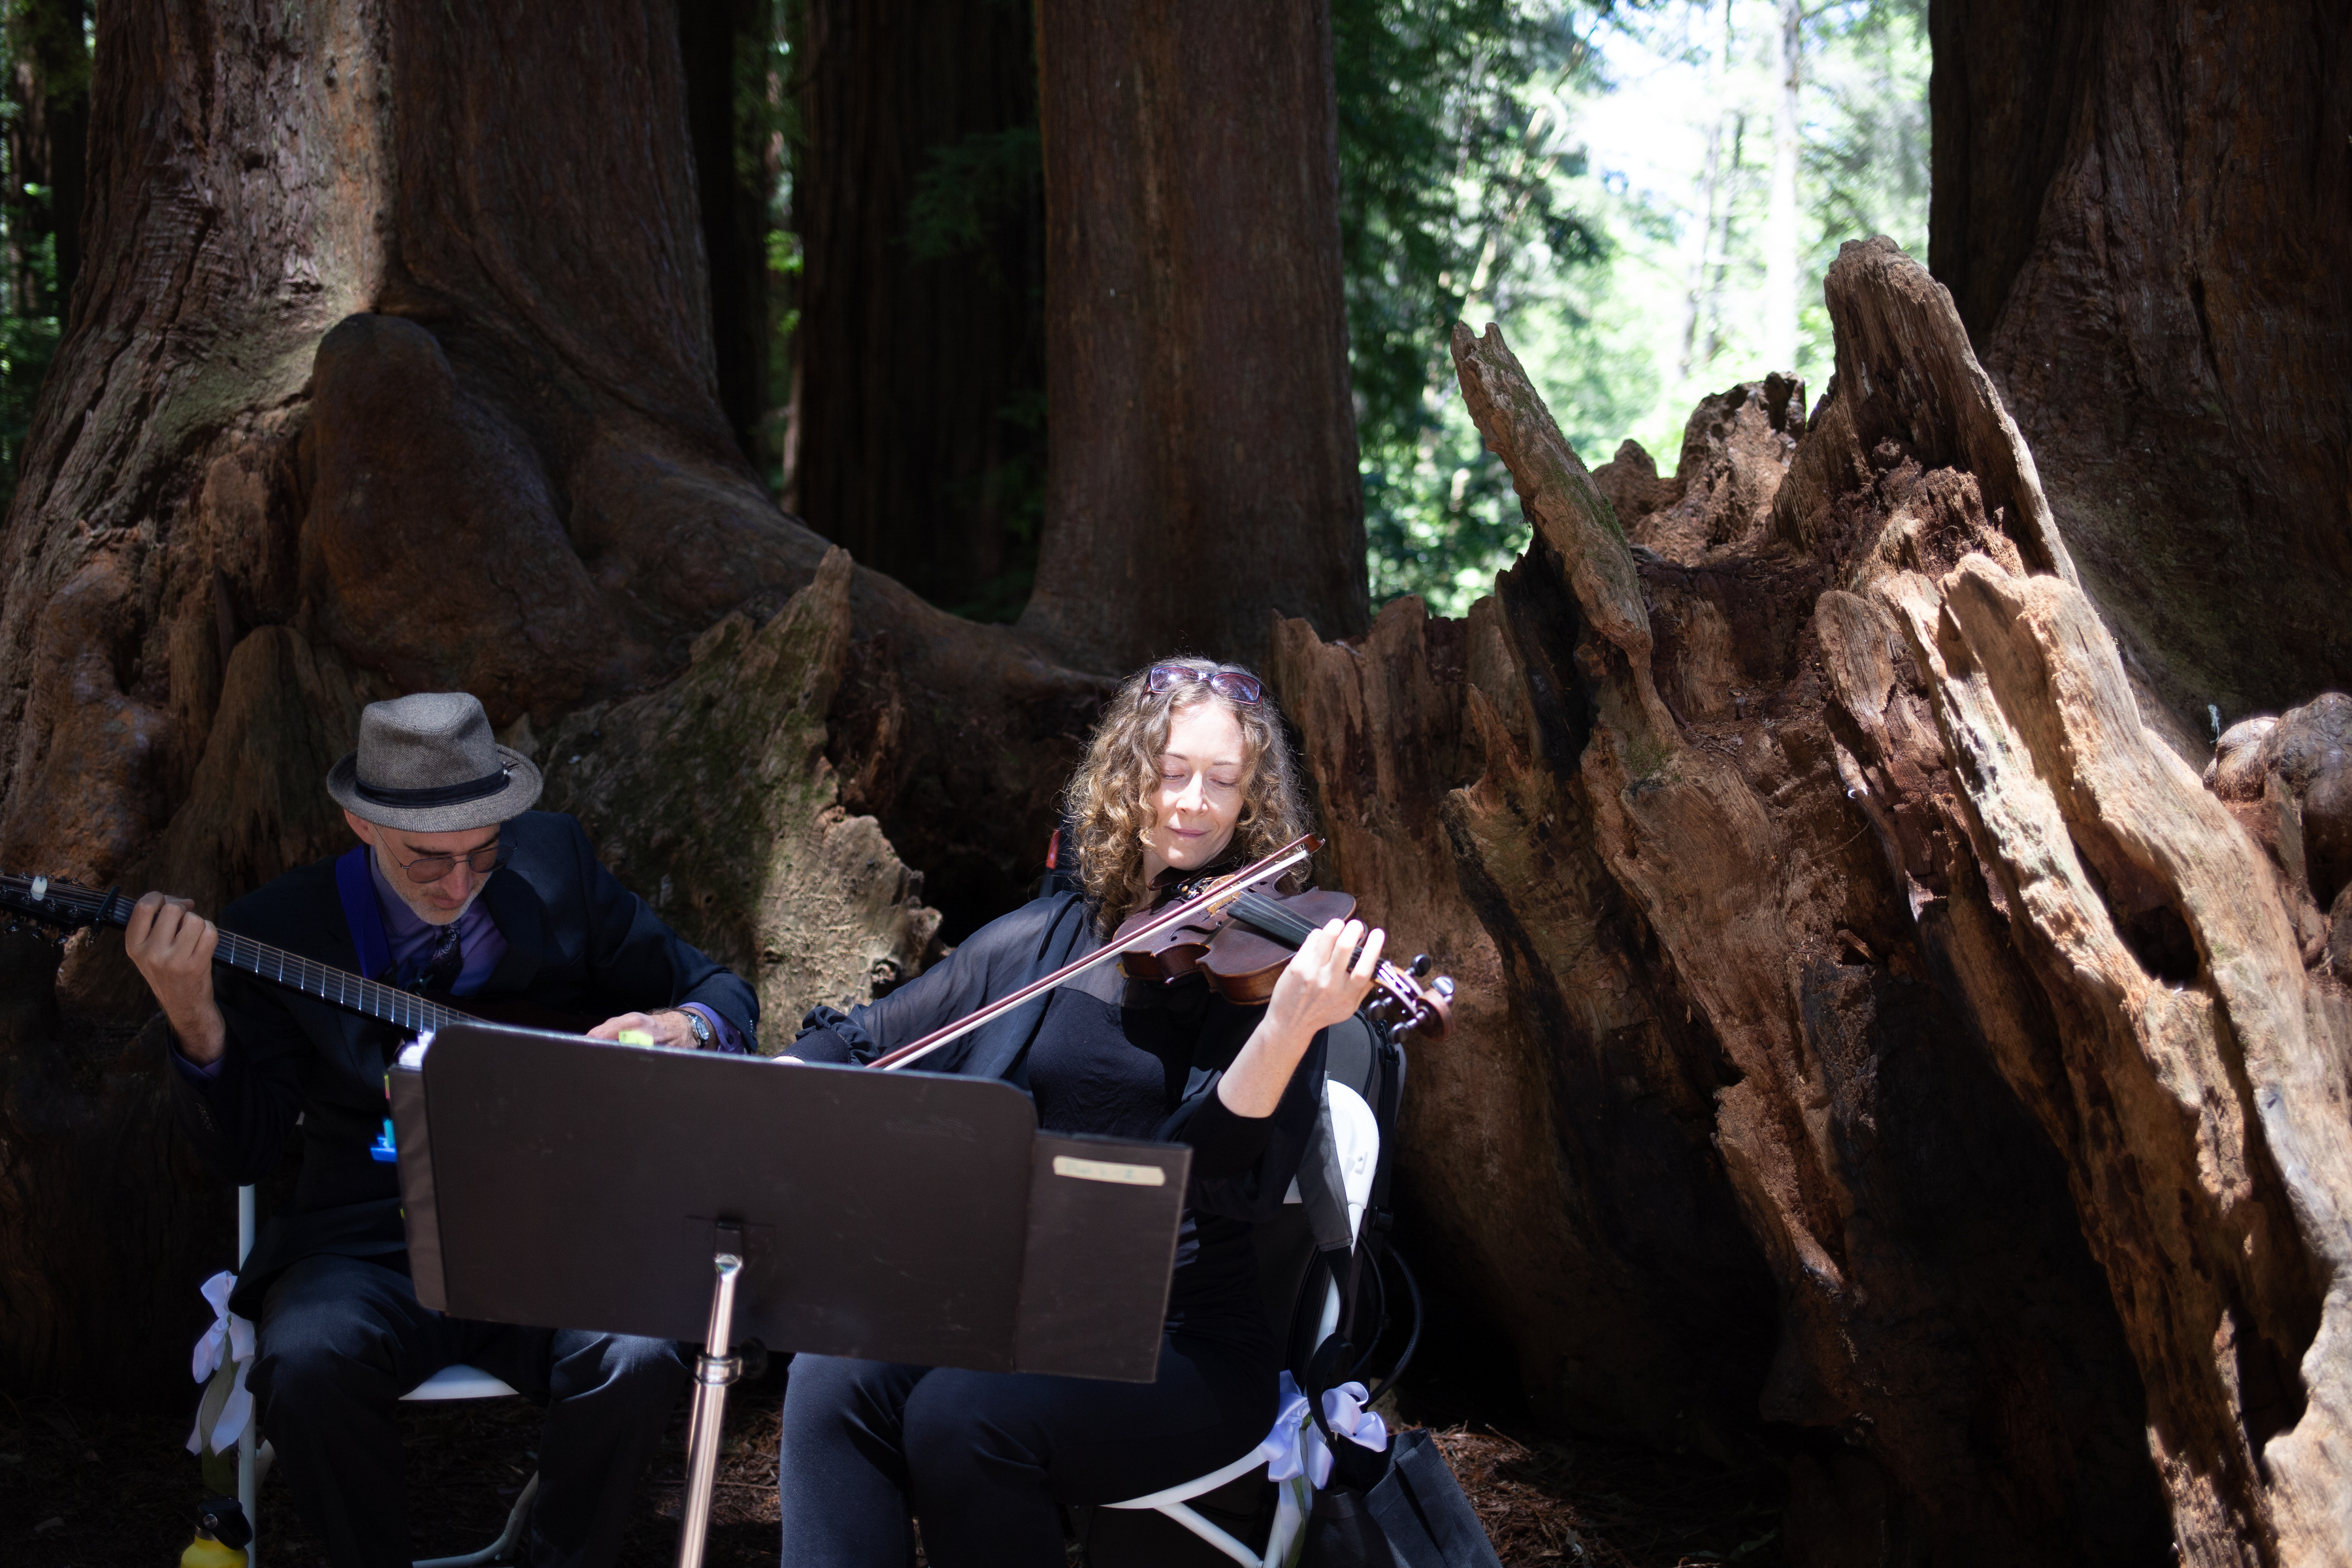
(1177,941)
(1242,946)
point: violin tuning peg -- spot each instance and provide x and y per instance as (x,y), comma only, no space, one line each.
(1419,966)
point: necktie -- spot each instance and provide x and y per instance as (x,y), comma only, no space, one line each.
(443,964)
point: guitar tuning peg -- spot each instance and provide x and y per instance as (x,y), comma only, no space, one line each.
(1419,966)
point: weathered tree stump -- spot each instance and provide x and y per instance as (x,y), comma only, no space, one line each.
(1865,1016)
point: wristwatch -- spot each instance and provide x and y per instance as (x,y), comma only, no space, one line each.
(703,1038)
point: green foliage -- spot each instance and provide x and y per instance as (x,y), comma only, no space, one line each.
(28,342)
(1440,522)
(1432,163)
(1863,170)
(1459,199)
(1015,487)
(56,36)
(45,60)
(967,187)
(1545,163)
(1865,150)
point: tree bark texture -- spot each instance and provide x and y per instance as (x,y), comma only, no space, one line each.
(920,447)
(2142,213)
(1855,988)
(713,794)
(1201,470)
(392,369)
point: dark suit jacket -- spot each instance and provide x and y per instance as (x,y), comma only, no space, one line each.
(577,942)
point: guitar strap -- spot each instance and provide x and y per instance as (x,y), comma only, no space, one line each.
(356,886)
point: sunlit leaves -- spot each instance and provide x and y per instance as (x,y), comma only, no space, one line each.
(1470,191)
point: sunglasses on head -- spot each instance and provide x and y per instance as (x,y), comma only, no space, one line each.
(1234,685)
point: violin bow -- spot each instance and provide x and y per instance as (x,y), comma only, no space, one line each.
(1280,863)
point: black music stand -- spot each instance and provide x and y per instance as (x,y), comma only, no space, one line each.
(560,1182)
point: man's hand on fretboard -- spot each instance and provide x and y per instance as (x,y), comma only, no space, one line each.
(173,946)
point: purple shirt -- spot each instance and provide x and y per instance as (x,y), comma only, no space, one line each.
(410,937)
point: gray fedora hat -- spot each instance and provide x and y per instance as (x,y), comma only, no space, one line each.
(428,763)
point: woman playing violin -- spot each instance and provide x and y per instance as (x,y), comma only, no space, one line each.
(1188,773)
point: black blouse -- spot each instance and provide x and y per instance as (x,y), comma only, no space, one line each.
(1124,1059)
(1118,1069)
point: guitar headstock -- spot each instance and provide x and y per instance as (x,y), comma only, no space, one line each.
(61,907)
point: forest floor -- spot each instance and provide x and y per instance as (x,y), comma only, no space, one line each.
(84,1489)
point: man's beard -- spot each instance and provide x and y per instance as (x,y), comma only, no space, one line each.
(397,880)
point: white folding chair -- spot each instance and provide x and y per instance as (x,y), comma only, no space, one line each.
(254,1458)
(472,1382)
(1356,1133)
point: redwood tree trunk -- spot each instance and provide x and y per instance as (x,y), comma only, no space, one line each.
(922,371)
(392,368)
(1720,1140)
(2143,213)
(1202,473)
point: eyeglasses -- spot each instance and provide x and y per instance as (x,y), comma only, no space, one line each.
(1234,685)
(433,867)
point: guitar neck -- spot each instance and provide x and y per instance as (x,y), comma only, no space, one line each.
(370,998)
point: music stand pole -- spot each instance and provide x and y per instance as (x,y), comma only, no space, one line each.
(713,1371)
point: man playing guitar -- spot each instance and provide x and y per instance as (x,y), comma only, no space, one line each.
(457,889)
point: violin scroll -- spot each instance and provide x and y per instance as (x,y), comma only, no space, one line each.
(1401,999)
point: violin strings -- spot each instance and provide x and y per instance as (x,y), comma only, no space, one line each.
(1257,909)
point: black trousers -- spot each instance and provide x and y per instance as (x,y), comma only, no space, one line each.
(983,1458)
(342,1339)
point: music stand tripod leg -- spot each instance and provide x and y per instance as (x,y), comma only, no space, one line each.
(713,1371)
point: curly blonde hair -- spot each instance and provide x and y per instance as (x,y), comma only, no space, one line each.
(1111,799)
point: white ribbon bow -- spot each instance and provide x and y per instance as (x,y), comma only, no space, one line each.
(1296,1457)
(1280,1449)
(226,1406)
(1345,1412)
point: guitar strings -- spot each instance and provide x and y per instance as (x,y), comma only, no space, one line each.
(372,997)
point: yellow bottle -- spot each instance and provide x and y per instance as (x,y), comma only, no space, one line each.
(219,1522)
(204,1552)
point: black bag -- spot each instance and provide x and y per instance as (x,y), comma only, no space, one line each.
(1413,1516)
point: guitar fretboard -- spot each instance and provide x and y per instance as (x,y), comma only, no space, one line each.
(410,1012)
